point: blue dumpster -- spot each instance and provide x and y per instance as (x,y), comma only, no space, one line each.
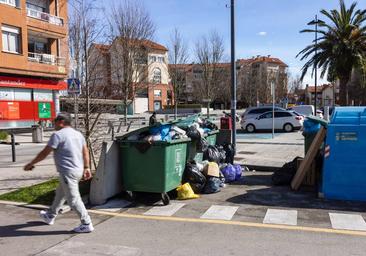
(344,171)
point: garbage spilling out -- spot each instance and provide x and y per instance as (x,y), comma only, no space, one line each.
(180,155)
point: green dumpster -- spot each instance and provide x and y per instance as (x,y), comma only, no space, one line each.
(212,137)
(155,168)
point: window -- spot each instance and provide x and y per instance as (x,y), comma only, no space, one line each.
(152,58)
(161,59)
(157,76)
(9,2)
(259,110)
(266,115)
(282,114)
(10,38)
(157,93)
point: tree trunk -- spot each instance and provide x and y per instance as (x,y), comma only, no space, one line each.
(343,91)
(175,109)
(125,110)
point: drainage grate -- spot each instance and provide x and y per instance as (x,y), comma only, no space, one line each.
(247,153)
(239,158)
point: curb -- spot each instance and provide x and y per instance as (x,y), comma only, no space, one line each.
(262,168)
(64,209)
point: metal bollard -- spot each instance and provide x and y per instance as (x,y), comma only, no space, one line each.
(13,147)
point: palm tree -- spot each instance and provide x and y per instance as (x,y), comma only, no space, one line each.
(340,48)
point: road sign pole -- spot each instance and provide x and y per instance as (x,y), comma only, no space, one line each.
(273,107)
(76,110)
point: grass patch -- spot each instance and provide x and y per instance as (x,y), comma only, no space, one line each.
(3,135)
(42,193)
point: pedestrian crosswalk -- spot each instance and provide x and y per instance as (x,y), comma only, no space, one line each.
(272,216)
(218,212)
(281,217)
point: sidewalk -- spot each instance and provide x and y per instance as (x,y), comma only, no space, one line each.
(12,176)
(260,151)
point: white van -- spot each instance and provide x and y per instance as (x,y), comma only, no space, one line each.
(305,110)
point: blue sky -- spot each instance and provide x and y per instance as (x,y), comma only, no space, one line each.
(263,26)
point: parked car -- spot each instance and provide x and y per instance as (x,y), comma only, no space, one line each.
(256,111)
(305,110)
(284,120)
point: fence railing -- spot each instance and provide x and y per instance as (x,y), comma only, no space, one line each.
(46,59)
(45,17)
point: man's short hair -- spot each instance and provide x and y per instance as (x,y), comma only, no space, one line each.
(66,117)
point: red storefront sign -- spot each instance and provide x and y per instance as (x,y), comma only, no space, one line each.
(32,83)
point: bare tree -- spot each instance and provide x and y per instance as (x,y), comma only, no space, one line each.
(130,29)
(178,54)
(209,53)
(84,30)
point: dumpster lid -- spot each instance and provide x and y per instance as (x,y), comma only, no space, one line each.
(349,115)
(318,120)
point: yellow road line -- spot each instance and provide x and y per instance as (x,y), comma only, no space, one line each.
(234,223)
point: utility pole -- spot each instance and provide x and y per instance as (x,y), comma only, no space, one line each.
(233,77)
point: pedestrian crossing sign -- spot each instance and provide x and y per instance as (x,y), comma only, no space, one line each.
(73,86)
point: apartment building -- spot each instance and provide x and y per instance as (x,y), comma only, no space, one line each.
(254,78)
(152,90)
(33,60)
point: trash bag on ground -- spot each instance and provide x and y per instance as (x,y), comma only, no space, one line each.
(229,173)
(212,185)
(222,153)
(238,171)
(211,154)
(284,175)
(185,192)
(229,150)
(194,177)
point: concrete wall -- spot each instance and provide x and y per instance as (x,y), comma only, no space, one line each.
(107,181)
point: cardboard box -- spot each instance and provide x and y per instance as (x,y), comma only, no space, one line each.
(211,169)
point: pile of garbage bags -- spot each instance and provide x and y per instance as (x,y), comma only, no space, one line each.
(194,128)
(216,169)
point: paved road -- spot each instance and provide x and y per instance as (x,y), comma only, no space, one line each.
(129,235)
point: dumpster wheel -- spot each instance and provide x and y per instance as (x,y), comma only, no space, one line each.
(165,198)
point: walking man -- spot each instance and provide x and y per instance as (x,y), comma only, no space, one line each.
(72,162)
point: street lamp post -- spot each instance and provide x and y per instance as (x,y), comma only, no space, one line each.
(233,77)
(315,22)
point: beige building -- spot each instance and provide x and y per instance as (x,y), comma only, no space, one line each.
(150,74)
(254,78)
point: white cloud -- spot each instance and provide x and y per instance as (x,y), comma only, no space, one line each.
(262,33)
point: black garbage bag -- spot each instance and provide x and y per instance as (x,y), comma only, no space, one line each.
(193,133)
(202,145)
(222,153)
(284,175)
(213,185)
(211,154)
(194,177)
(229,150)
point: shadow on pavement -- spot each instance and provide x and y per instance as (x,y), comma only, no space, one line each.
(261,191)
(17,230)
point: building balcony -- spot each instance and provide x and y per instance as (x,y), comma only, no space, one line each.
(48,59)
(51,19)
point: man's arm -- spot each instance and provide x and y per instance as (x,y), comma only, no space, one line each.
(87,173)
(41,155)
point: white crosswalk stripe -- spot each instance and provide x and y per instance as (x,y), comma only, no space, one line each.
(347,221)
(167,210)
(281,217)
(218,212)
